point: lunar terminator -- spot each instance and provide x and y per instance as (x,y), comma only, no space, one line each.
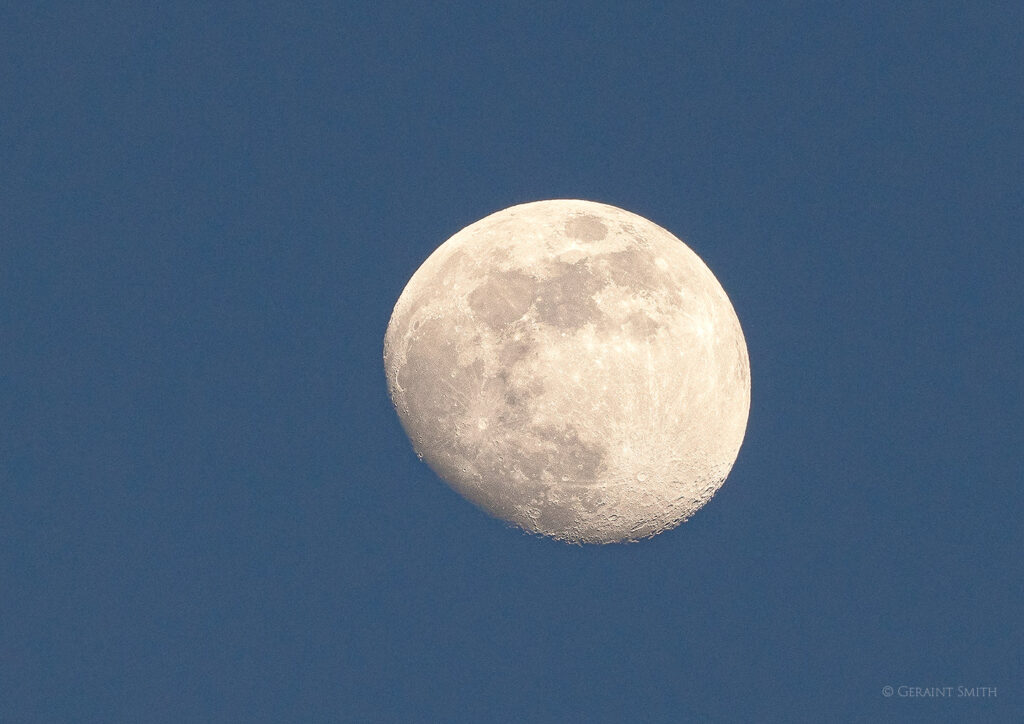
(573,369)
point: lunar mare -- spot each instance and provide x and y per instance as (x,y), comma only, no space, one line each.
(572,368)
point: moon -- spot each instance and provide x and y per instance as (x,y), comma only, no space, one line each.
(573,369)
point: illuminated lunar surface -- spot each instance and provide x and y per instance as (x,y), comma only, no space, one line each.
(573,369)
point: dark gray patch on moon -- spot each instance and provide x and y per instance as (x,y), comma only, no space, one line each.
(640,324)
(635,234)
(558,455)
(507,401)
(585,228)
(554,517)
(516,344)
(572,457)
(636,269)
(566,299)
(453,267)
(503,297)
(516,398)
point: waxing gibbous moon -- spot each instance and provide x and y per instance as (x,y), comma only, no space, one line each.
(573,369)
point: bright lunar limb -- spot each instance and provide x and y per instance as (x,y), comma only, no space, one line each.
(573,369)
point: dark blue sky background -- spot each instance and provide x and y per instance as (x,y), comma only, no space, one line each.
(208,509)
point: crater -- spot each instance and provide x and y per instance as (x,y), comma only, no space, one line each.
(585,228)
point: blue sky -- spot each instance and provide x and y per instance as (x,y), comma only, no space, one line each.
(209,509)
